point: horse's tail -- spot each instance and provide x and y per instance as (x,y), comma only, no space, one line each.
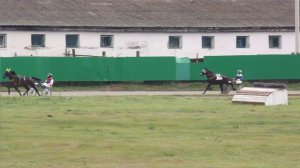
(36,79)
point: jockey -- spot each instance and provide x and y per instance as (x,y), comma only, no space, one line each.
(239,77)
(49,81)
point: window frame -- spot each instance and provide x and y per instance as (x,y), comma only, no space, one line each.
(247,42)
(42,40)
(103,45)
(271,44)
(173,45)
(211,42)
(4,41)
(77,41)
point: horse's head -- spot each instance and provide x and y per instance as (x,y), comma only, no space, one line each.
(8,73)
(204,71)
(207,73)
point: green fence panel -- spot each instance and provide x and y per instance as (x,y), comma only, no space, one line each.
(256,67)
(64,69)
(94,68)
(71,69)
(195,71)
(22,66)
(183,69)
(85,69)
(111,69)
(149,68)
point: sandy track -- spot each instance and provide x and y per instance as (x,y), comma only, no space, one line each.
(120,93)
(134,93)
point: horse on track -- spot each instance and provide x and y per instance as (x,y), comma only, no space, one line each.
(216,79)
(16,81)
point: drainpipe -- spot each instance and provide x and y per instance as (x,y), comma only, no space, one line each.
(297,27)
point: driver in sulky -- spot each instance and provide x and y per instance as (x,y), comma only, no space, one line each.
(239,77)
(49,81)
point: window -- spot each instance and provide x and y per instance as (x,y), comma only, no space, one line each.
(38,40)
(72,41)
(175,42)
(274,41)
(242,42)
(207,42)
(107,41)
(2,40)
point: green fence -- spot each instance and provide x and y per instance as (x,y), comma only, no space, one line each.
(96,68)
(256,67)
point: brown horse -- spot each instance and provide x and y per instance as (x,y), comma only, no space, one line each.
(20,81)
(216,79)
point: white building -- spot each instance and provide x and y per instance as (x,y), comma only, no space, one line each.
(121,28)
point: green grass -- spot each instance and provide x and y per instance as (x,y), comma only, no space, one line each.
(147,132)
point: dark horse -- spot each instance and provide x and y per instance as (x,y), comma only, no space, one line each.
(16,81)
(216,79)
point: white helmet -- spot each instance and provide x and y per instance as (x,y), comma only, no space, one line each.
(49,74)
(239,71)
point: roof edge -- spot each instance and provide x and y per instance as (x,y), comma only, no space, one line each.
(146,29)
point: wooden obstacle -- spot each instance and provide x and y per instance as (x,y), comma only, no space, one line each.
(269,85)
(261,95)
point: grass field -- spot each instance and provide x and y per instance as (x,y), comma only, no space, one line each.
(147,132)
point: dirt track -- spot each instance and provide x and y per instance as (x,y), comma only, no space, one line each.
(134,93)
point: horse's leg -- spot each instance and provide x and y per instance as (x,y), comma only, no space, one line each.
(232,86)
(34,87)
(226,90)
(221,88)
(26,92)
(36,90)
(8,90)
(208,86)
(18,91)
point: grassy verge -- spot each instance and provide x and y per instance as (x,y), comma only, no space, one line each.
(147,132)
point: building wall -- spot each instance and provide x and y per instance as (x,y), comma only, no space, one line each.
(148,44)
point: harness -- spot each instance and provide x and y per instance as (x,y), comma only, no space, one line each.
(13,80)
(219,77)
(216,76)
(211,78)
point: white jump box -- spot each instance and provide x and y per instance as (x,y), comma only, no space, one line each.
(266,96)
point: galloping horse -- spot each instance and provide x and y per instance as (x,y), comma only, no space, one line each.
(216,79)
(20,81)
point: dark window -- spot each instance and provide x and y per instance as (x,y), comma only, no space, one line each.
(274,41)
(107,41)
(207,42)
(72,41)
(2,40)
(175,42)
(242,42)
(38,40)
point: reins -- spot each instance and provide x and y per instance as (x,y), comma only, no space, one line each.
(210,74)
(13,78)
